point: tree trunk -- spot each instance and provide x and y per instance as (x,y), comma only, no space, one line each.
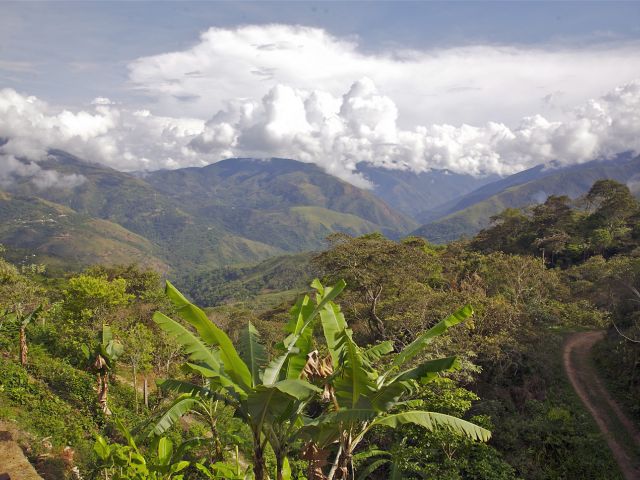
(145,392)
(259,466)
(279,465)
(135,386)
(374,320)
(103,391)
(23,346)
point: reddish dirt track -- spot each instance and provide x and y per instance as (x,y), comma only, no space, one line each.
(625,444)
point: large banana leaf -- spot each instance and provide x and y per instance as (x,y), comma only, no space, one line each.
(233,365)
(376,352)
(372,467)
(390,393)
(432,420)
(181,405)
(194,347)
(165,451)
(355,378)
(252,352)
(277,402)
(415,347)
(32,316)
(298,344)
(429,369)
(296,358)
(333,324)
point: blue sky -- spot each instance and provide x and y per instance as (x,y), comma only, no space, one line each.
(475,87)
(77,50)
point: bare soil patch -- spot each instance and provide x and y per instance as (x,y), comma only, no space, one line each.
(619,431)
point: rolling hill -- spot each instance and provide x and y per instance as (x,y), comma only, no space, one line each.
(471,213)
(38,231)
(253,197)
(233,212)
(268,282)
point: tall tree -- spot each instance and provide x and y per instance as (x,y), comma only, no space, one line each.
(138,352)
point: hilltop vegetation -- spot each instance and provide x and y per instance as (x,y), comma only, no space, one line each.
(232,212)
(501,367)
(466,216)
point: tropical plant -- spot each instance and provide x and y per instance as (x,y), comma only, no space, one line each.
(23,321)
(128,462)
(269,396)
(225,471)
(19,319)
(102,361)
(363,397)
(139,351)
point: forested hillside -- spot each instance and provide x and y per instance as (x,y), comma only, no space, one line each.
(466,216)
(237,211)
(360,380)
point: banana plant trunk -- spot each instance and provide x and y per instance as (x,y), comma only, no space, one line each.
(103,391)
(279,465)
(342,468)
(24,349)
(259,464)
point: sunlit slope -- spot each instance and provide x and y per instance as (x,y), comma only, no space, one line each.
(480,206)
(36,230)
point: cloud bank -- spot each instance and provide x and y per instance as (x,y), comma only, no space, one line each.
(471,84)
(300,93)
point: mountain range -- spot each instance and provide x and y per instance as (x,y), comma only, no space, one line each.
(242,210)
(234,211)
(467,215)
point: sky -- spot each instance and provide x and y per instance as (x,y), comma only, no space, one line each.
(479,87)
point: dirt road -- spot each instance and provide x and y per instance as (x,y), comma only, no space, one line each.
(621,434)
(12,461)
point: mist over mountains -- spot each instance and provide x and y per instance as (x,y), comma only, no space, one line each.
(243,210)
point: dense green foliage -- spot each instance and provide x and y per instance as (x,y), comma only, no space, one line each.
(230,212)
(468,215)
(251,382)
(278,276)
(595,240)
(603,222)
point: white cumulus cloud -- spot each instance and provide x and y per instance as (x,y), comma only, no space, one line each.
(302,93)
(470,84)
(362,126)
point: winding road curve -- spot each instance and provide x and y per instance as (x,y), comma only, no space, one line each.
(619,431)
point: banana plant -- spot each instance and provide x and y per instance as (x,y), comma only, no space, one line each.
(120,462)
(102,361)
(17,317)
(365,398)
(25,320)
(268,395)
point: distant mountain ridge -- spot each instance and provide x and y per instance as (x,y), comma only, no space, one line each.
(417,194)
(241,211)
(469,214)
(232,212)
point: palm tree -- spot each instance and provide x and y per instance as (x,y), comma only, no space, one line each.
(363,397)
(269,396)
